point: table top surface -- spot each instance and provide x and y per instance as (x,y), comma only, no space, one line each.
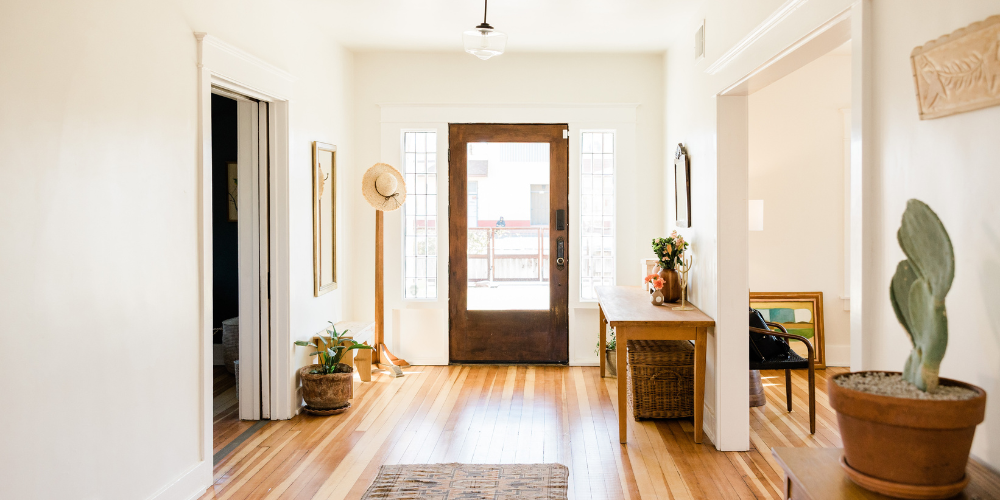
(630,306)
(818,472)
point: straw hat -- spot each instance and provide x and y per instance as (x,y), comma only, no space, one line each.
(384,187)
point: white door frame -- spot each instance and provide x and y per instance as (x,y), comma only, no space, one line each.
(732,135)
(227,67)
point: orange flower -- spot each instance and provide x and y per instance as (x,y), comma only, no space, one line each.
(658,283)
(651,277)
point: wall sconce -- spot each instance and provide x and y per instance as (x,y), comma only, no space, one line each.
(756,218)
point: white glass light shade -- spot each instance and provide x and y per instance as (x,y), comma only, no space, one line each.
(756,215)
(484,43)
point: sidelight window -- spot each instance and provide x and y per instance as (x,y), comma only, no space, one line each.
(420,229)
(597,212)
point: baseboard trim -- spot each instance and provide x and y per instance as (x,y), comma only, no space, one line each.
(189,486)
(584,363)
(838,355)
(427,361)
(708,425)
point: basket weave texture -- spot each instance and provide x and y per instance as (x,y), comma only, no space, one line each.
(661,378)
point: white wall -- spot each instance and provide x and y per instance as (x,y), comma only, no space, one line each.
(453,80)
(99,296)
(951,164)
(797,168)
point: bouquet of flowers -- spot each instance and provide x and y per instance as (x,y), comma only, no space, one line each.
(670,250)
(656,281)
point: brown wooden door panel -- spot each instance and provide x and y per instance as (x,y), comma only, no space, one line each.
(536,336)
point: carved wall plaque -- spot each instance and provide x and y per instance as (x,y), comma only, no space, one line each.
(959,72)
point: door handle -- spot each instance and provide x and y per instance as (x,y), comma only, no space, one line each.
(560,220)
(560,252)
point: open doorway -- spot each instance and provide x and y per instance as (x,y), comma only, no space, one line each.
(799,191)
(240,263)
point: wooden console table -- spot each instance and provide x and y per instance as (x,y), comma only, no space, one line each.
(815,474)
(628,311)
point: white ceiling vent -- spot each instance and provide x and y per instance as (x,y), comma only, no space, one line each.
(699,42)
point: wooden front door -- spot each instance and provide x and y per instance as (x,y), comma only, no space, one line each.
(508,249)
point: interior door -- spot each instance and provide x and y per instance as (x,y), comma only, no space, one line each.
(508,255)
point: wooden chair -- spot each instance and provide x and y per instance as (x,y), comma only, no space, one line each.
(789,362)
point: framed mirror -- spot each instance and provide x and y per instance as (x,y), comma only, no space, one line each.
(324,218)
(682,187)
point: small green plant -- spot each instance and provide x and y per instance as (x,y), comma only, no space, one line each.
(918,290)
(329,358)
(609,345)
(670,250)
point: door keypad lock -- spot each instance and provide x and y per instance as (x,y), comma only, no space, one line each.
(560,252)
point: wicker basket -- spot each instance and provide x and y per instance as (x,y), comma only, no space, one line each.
(661,378)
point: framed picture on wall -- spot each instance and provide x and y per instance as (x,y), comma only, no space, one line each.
(801,313)
(232,171)
(682,187)
(324,218)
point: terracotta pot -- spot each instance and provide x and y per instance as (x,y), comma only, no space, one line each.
(325,391)
(672,284)
(914,443)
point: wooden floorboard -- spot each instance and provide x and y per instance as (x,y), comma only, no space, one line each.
(509,414)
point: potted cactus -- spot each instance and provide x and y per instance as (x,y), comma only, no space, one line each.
(908,434)
(326,386)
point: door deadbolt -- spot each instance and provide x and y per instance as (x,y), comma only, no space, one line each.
(560,252)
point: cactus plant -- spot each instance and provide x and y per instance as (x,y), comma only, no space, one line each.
(918,290)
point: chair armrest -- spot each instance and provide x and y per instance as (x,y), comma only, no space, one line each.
(784,333)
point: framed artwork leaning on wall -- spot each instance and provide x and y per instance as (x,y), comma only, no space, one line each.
(801,313)
(324,174)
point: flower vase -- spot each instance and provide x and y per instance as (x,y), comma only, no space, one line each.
(671,284)
(656,297)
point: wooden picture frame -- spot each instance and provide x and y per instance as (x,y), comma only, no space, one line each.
(324,174)
(790,310)
(682,187)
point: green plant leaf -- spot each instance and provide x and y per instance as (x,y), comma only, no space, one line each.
(303,343)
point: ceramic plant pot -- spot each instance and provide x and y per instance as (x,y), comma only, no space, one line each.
(907,448)
(671,284)
(325,391)
(656,297)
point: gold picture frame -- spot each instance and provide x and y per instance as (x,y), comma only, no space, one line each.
(801,313)
(324,174)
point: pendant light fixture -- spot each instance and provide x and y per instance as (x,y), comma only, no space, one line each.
(484,42)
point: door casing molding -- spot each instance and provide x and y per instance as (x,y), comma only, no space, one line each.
(227,67)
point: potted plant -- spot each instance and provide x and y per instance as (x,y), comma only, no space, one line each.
(669,252)
(610,354)
(909,434)
(326,385)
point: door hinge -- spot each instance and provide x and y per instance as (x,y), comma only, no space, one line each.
(565,134)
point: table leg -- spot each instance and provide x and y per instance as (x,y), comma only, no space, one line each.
(604,341)
(699,382)
(623,410)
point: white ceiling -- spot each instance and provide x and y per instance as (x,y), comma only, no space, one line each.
(532,25)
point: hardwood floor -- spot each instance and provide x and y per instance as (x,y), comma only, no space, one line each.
(512,414)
